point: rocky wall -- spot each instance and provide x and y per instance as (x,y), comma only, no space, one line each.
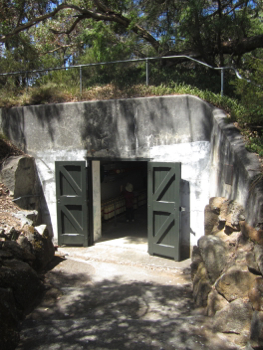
(227,270)
(25,249)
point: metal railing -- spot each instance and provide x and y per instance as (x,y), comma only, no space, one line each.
(146,59)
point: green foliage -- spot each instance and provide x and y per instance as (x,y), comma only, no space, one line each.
(102,45)
(254,143)
(251,93)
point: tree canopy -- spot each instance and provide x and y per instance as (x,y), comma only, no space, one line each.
(216,32)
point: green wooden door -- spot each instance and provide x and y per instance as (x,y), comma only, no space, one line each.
(72,210)
(164,209)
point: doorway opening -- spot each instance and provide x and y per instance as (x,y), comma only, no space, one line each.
(89,195)
(115,224)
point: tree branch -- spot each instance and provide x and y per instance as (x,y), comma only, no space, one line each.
(61,47)
(245,45)
(69,30)
(29,24)
(106,15)
(112,16)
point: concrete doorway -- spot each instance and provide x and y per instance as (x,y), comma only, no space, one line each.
(109,201)
(158,195)
(89,195)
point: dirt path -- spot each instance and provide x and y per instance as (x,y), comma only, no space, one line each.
(111,296)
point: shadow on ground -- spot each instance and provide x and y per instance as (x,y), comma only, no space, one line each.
(77,313)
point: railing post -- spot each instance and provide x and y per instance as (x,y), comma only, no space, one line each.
(147,71)
(222,82)
(80,80)
(26,81)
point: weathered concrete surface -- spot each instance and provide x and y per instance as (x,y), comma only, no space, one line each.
(110,128)
(115,296)
(169,128)
(233,169)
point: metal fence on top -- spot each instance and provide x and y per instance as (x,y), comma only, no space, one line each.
(146,60)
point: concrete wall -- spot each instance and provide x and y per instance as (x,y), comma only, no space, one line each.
(170,128)
(234,170)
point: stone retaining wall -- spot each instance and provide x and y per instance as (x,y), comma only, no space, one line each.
(227,269)
(25,249)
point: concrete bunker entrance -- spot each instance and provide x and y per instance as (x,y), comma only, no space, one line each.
(114,177)
(156,204)
(91,205)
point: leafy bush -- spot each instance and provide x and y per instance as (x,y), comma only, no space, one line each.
(250,95)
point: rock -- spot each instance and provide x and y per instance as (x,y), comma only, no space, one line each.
(211,220)
(235,283)
(8,312)
(251,263)
(43,231)
(224,211)
(231,240)
(12,234)
(28,231)
(216,203)
(5,254)
(213,252)
(19,174)
(241,254)
(248,346)
(235,317)
(221,234)
(232,213)
(27,217)
(9,338)
(231,223)
(16,251)
(237,211)
(196,260)
(255,294)
(24,243)
(256,329)
(43,248)
(24,282)
(3,236)
(201,286)
(258,251)
(229,229)
(236,214)
(252,233)
(256,236)
(215,302)
(9,320)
